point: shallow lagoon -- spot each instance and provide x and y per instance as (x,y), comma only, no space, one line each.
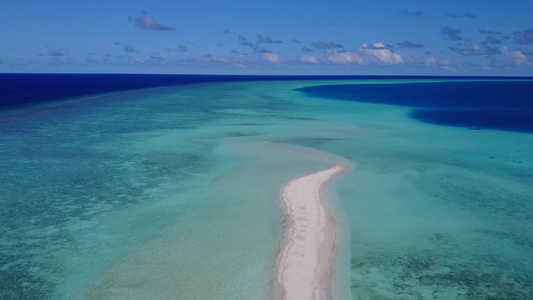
(171,191)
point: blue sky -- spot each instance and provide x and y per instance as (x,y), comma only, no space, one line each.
(350,37)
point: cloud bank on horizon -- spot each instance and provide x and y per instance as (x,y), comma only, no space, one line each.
(250,37)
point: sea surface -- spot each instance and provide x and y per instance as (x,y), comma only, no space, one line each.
(158,186)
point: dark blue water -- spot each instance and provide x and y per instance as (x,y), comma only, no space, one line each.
(19,89)
(488,104)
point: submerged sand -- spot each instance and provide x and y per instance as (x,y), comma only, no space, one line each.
(303,267)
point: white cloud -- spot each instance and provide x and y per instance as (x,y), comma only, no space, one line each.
(158,60)
(379,52)
(267,39)
(146,21)
(378,45)
(343,57)
(431,60)
(475,47)
(308,59)
(445,65)
(366,55)
(211,58)
(232,61)
(271,58)
(516,57)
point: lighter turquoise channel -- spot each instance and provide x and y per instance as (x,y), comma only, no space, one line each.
(171,193)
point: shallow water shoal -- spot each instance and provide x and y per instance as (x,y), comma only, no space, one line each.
(433,211)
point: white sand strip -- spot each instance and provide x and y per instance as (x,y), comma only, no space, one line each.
(307,247)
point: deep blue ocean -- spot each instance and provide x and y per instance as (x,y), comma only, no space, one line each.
(19,89)
(499,105)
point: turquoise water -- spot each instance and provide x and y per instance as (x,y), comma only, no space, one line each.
(171,192)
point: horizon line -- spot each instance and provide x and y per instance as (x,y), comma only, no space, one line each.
(286,76)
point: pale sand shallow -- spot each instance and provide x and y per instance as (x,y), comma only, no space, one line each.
(309,232)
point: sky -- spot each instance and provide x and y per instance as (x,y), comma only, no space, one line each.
(284,37)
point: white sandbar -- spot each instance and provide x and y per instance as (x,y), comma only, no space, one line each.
(307,247)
